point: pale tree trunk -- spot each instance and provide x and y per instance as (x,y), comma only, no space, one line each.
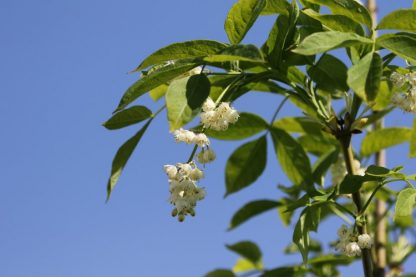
(380,205)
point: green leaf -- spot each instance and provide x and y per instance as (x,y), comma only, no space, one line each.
(244,265)
(282,271)
(293,159)
(184,97)
(127,117)
(220,273)
(241,17)
(281,37)
(322,165)
(412,152)
(183,50)
(364,77)
(331,259)
(329,73)
(158,92)
(275,7)
(245,165)
(317,144)
(325,41)
(247,125)
(121,158)
(403,45)
(247,249)
(402,19)
(352,183)
(384,138)
(241,52)
(308,221)
(349,8)
(153,80)
(335,22)
(406,200)
(298,125)
(251,210)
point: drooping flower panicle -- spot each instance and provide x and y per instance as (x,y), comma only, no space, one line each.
(405,99)
(183,188)
(350,244)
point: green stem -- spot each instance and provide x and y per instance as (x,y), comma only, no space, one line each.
(158,111)
(345,141)
(278,109)
(367,203)
(192,154)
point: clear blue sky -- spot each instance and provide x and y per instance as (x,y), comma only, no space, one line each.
(63,68)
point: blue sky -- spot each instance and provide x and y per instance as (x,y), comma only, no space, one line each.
(64,67)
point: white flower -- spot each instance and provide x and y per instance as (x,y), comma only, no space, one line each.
(344,233)
(196,174)
(231,116)
(352,249)
(365,241)
(397,79)
(223,108)
(206,156)
(209,105)
(183,188)
(201,140)
(171,171)
(208,118)
(184,169)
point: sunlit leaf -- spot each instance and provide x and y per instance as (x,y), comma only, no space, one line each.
(412,152)
(384,138)
(326,41)
(405,203)
(241,17)
(275,7)
(364,77)
(335,22)
(401,44)
(402,19)
(350,8)
(292,157)
(184,97)
(152,81)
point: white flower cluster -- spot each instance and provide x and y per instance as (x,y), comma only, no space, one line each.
(183,188)
(190,137)
(406,98)
(339,170)
(218,118)
(351,244)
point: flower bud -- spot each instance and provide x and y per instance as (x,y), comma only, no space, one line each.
(232,116)
(174,212)
(352,249)
(359,124)
(196,174)
(365,241)
(181,217)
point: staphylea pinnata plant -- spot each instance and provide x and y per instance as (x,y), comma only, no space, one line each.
(339,95)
